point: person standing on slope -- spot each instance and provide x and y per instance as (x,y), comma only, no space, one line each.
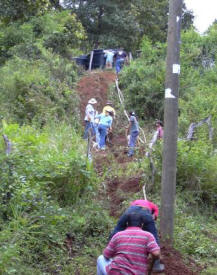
(105,125)
(159,125)
(120,57)
(133,129)
(89,118)
(109,58)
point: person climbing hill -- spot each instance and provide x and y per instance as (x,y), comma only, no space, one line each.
(105,125)
(109,107)
(89,118)
(128,250)
(119,57)
(133,129)
(159,125)
(109,54)
(149,211)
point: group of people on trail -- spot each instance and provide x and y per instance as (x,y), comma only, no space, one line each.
(133,238)
(99,125)
(117,57)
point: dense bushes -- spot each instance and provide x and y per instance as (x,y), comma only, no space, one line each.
(49,162)
(37,81)
(142,82)
(44,182)
(196,173)
(59,31)
(38,91)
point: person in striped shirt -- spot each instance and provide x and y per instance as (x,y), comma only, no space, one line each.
(127,251)
(150,212)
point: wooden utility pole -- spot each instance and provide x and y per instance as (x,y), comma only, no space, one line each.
(168,181)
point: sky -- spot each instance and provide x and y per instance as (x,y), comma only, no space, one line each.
(205,12)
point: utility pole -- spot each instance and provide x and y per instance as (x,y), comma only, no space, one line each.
(168,182)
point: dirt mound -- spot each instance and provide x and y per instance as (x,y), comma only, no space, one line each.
(174,263)
(96,85)
(119,190)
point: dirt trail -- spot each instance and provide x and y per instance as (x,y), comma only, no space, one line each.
(96,84)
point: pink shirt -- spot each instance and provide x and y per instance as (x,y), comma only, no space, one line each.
(160,132)
(147,204)
(129,251)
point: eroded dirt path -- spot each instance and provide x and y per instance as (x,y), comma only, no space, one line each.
(96,84)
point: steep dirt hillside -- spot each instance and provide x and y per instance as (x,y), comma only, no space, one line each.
(96,84)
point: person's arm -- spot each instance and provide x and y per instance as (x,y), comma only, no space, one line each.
(110,124)
(98,116)
(109,251)
(152,246)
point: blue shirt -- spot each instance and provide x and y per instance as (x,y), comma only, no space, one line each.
(105,120)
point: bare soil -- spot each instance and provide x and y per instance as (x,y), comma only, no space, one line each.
(96,84)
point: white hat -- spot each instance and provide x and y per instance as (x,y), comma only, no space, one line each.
(92,101)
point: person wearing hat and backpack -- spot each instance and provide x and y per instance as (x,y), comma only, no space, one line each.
(89,118)
(105,125)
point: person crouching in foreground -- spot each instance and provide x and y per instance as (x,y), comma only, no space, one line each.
(149,211)
(127,251)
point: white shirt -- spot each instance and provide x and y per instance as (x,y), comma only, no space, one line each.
(89,113)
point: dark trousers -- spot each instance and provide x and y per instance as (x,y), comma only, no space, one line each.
(148,221)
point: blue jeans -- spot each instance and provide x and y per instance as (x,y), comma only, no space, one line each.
(132,143)
(102,262)
(148,222)
(102,132)
(88,125)
(119,64)
(97,132)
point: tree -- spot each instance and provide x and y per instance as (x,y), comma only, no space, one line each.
(56,4)
(12,10)
(187,18)
(109,23)
(151,16)
(112,23)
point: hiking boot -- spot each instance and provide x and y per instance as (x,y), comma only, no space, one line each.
(158,267)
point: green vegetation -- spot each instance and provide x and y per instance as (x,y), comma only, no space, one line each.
(54,216)
(114,24)
(46,191)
